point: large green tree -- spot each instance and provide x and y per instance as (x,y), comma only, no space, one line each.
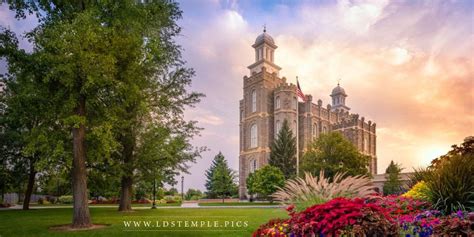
(265,181)
(31,136)
(393,185)
(115,73)
(283,151)
(220,179)
(333,153)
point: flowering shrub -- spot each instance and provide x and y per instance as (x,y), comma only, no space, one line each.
(375,216)
(457,224)
(420,191)
(399,205)
(421,224)
(275,227)
(336,217)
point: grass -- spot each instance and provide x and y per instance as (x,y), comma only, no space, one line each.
(37,222)
(112,205)
(238,204)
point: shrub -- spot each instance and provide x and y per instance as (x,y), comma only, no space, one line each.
(66,199)
(172,199)
(336,217)
(457,224)
(274,227)
(43,201)
(452,183)
(420,191)
(315,190)
(398,205)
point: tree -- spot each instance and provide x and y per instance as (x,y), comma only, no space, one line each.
(265,181)
(116,76)
(393,183)
(283,151)
(333,153)
(193,194)
(220,179)
(73,44)
(31,136)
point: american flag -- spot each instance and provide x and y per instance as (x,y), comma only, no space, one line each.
(299,92)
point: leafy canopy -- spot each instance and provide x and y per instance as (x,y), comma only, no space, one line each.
(333,153)
(265,181)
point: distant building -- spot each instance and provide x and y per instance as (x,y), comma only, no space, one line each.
(379,180)
(268,100)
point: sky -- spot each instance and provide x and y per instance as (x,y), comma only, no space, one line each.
(406,65)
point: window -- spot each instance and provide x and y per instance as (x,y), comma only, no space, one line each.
(295,102)
(253,136)
(315,129)
(277,127)
(325,129)
(254,100)
(366,145)
(253,165)
(277,102)
(241,115)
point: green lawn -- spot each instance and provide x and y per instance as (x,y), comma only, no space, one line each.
(239,204)
(112,205)
(36,222)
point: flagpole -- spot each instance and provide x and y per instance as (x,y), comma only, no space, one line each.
(297,134)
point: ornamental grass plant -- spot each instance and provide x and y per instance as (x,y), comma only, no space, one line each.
(310,190)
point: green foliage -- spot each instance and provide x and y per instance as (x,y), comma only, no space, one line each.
(450,178)
(193,194)
(220,179)
(171,192)
(333,153)
(393,185)
(67,199)
(283,151)
(311,190)
(265,181)
(419,191)
(120,61)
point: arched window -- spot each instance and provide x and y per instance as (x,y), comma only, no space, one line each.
(253,165)
(277,127)
(295,102)
(325,129)
(366,145)
(277,102)
(253,136)
(254,101)
(315,129)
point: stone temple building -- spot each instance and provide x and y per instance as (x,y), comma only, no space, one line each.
(269,99)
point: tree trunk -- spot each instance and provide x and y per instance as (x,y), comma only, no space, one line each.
(126,194)
(29,187)
(81,216)
(127,179)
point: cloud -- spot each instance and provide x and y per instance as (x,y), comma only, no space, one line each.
(401,62)
(405,65)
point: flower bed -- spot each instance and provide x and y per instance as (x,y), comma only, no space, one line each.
(374,216)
